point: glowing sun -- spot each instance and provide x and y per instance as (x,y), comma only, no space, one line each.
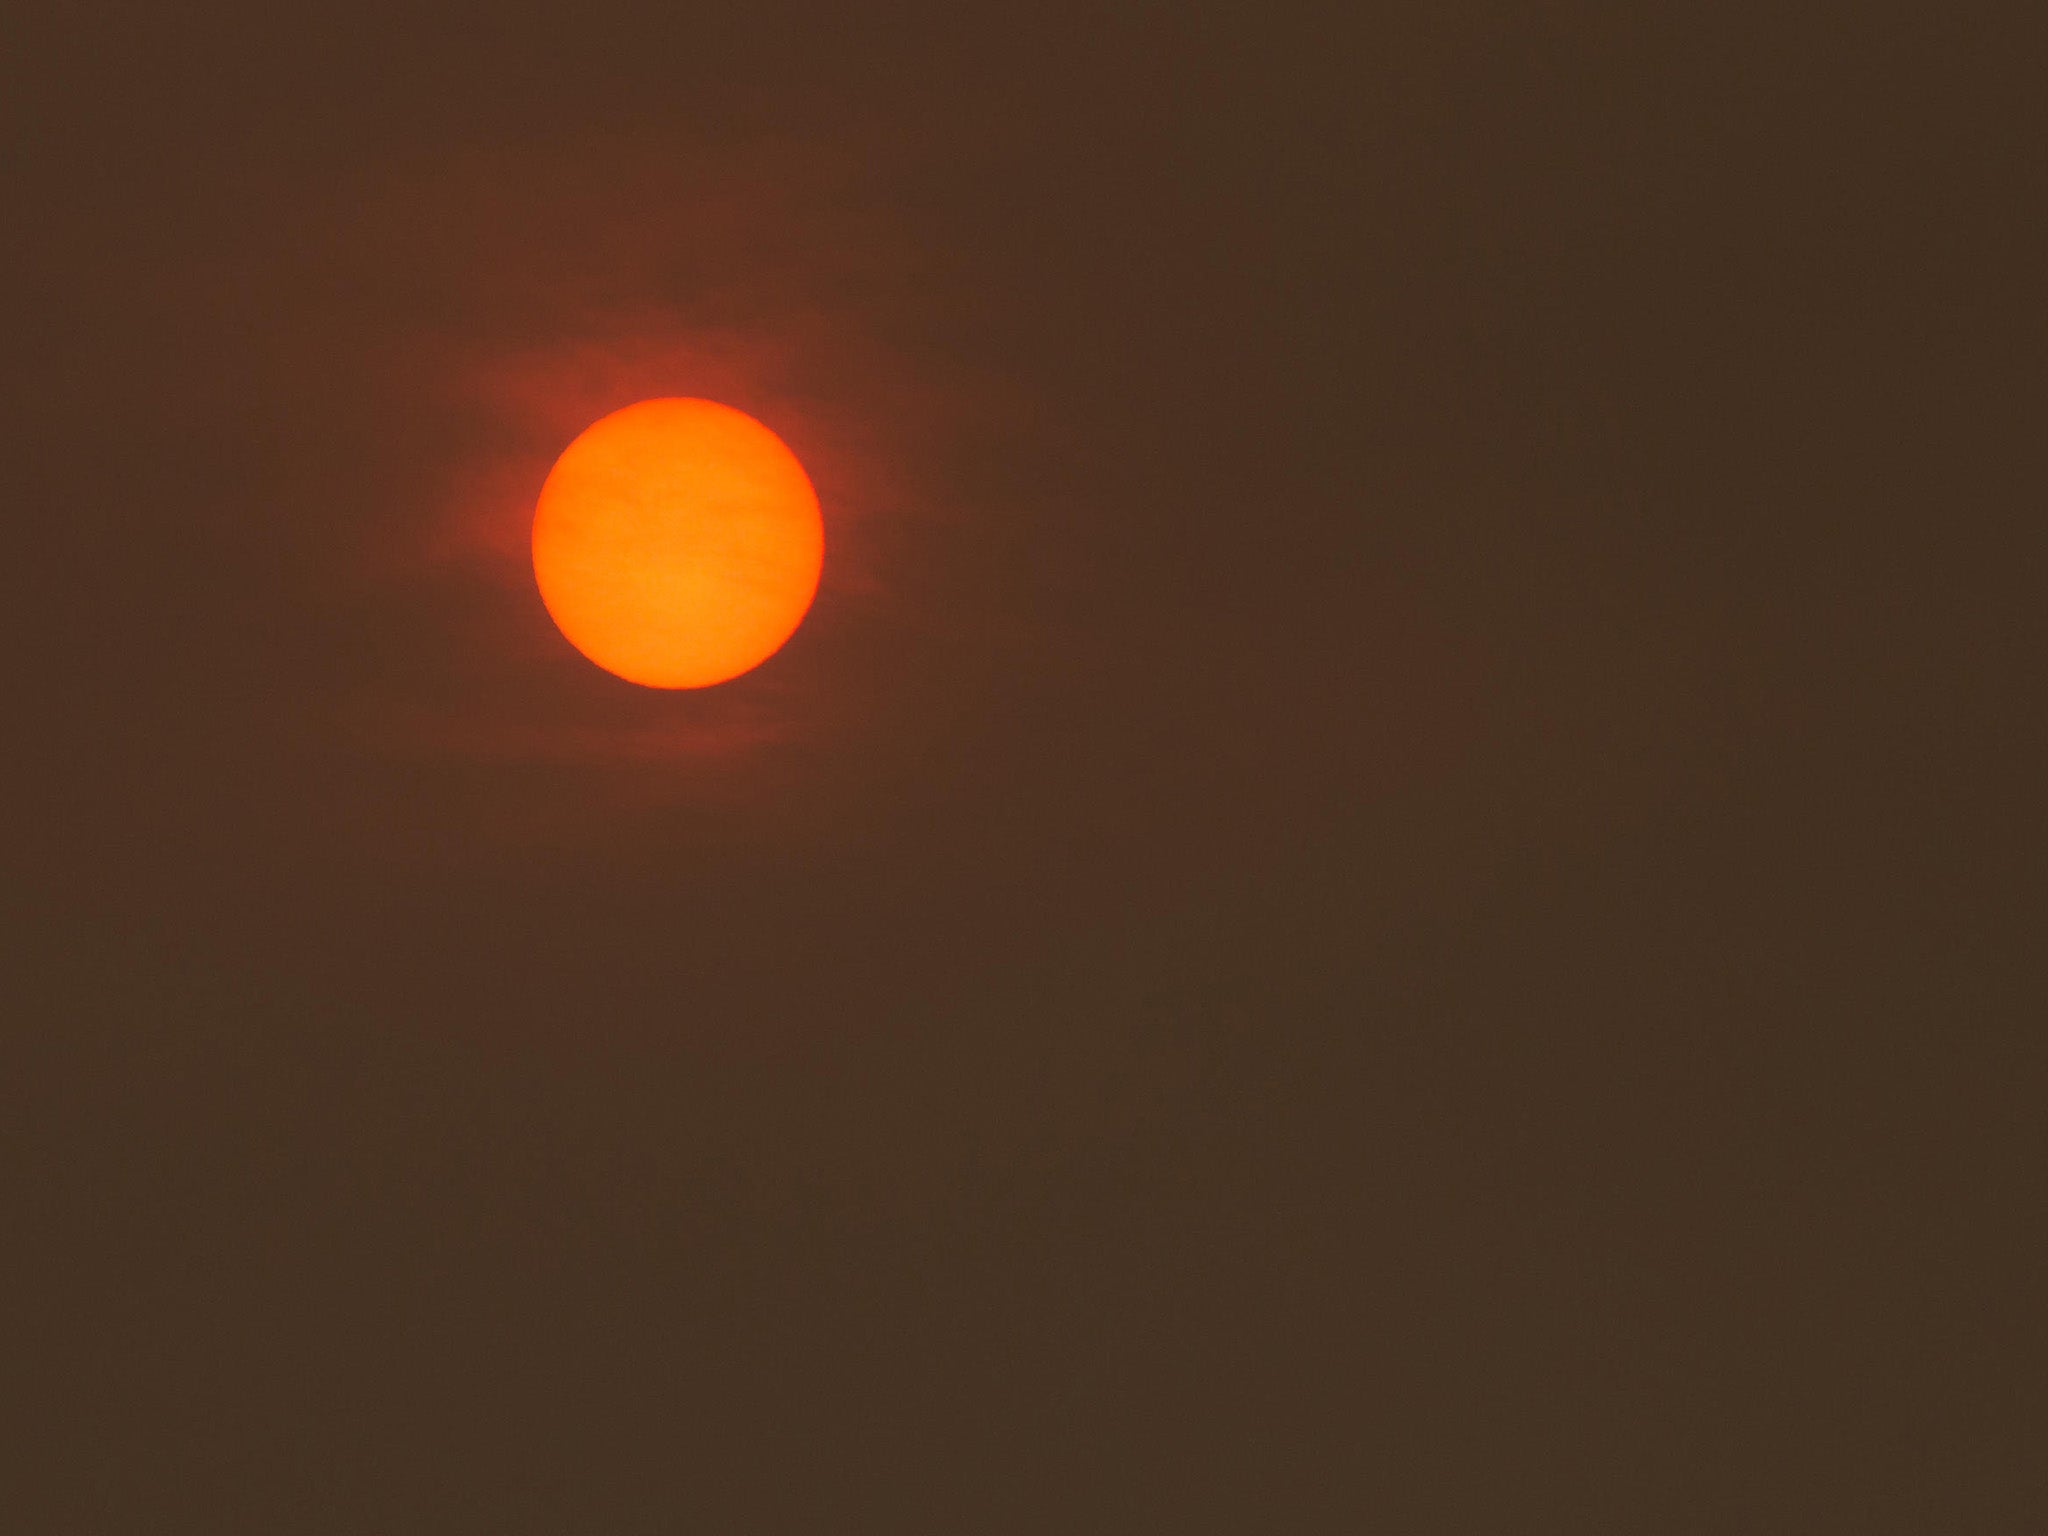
(677,543)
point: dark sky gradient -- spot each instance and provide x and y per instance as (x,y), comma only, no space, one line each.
(1397,885)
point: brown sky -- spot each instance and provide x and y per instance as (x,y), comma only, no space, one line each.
(1394,886)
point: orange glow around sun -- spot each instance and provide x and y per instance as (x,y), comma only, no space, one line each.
(677,543)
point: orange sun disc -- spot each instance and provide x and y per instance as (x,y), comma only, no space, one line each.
(677,543)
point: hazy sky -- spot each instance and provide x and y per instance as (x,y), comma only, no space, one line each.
(1393,887)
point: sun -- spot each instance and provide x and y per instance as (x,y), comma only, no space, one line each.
(677,543)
